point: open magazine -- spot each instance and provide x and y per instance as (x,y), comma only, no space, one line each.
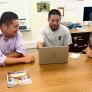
(18,78)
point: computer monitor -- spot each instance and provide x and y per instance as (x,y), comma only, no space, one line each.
(87,16)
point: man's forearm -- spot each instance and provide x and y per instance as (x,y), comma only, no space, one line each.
(10,60)
(25,59)
(14,54)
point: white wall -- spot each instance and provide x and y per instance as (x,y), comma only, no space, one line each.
(22,8)
(38,20)
(18,6)
(73,12)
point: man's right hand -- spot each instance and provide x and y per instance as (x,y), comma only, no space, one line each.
(28,58)
(40,45)
(88,52)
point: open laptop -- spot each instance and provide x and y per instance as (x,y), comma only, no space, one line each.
(49,55)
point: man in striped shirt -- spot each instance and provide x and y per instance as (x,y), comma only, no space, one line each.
(11,42)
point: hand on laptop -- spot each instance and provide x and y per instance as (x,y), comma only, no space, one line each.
(29,58)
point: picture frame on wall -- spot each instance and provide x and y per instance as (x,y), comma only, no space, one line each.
(43,6)
(61,9)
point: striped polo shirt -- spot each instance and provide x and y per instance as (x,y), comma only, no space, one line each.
(12,44)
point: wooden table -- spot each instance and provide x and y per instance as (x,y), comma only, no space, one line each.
(82,30)
(75,76)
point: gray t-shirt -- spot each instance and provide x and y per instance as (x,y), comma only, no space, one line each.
(60,37)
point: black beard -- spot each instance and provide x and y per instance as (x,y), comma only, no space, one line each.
(54,29)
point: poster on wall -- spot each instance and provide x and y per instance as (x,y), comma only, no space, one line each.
(3,1)
(43,6)
(61,9)
(73,5)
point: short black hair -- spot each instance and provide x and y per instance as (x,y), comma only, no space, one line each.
(54,12)
(8,17)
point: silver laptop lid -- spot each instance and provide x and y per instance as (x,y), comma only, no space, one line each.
(49,55)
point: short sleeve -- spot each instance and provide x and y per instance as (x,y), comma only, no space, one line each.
(20,44)
(67,37)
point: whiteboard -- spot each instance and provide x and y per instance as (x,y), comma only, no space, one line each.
(20,7)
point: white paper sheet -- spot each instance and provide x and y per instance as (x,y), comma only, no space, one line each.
(75,55)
